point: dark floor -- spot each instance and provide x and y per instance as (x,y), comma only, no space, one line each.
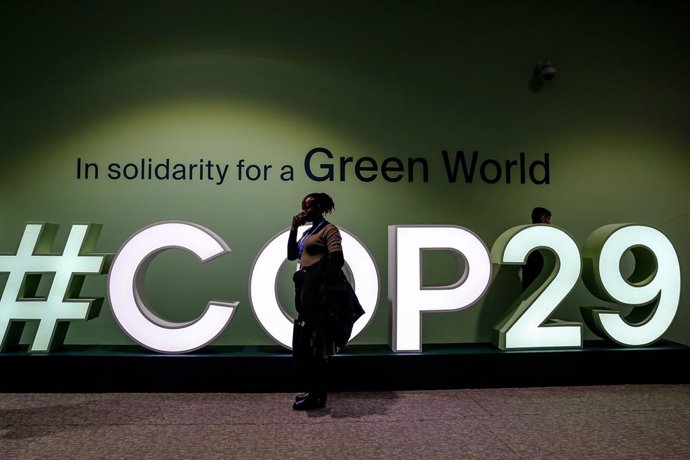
(631,421)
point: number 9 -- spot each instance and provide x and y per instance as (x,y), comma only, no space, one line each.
(653,289)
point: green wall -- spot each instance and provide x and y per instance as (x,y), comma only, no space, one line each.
(267,81)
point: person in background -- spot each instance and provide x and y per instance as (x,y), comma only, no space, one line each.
(535,261)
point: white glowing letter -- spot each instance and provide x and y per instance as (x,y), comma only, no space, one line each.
(653,288)
(407,295)
(527,324)
(262,285)
(125,284)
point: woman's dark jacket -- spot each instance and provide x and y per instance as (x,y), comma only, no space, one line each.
(327,301)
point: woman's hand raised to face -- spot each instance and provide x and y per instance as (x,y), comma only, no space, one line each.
(297,220)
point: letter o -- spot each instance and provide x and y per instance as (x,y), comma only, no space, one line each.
(268,311)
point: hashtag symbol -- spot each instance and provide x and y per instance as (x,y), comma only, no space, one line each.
(21,301)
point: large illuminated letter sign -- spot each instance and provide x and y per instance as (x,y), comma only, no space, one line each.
(20,301)
(527,324)
(125,285)
(407,295)
(653,288)
(262,285)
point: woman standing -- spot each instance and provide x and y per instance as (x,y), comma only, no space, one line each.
(320,253)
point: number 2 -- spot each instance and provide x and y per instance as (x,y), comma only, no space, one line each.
(526,324)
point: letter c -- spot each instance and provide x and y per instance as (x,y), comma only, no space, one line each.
(125,284)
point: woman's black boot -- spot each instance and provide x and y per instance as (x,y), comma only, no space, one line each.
(310,401)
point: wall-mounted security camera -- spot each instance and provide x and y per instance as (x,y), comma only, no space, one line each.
(546,70)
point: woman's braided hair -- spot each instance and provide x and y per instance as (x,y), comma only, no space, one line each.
(323,202)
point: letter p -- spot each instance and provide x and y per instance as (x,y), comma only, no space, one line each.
(407,295)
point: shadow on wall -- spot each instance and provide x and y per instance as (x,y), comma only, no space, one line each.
(505,288)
